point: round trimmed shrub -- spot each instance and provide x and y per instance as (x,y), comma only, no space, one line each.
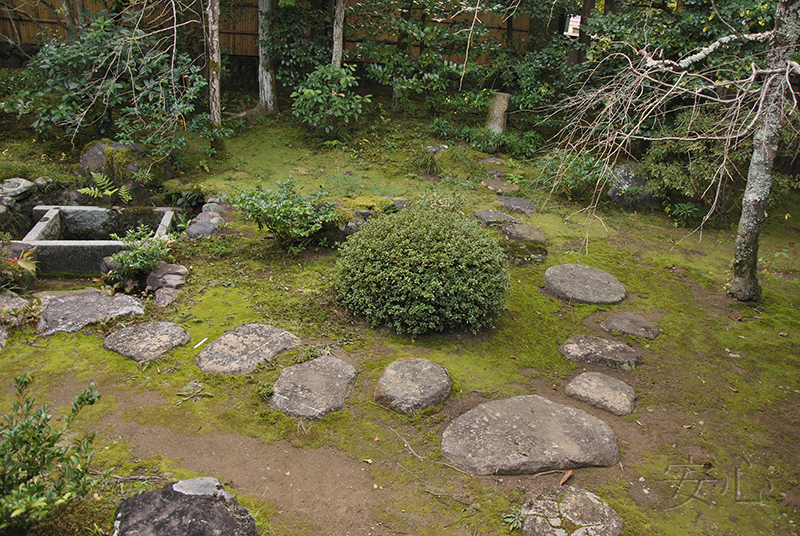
(423,270)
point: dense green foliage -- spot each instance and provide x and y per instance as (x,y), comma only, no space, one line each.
(40,473)
(423,270)
(289,216)
(326,100)
(141,254)
(111,78)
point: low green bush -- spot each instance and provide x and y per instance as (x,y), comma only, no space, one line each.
(40,472)
(423,269)
(289,216)
(141,254)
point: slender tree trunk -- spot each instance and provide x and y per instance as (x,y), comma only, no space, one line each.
(744,276)
(610,6)
(584,38)
(338,33)
(214,71)
(267,100)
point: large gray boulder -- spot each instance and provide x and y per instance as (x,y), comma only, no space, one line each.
(568,511)
(526,435)
(631,324)
(412,384)
(603,391)
(314,388)
(589,349)
(240,351)
(167,275)
(146,342)
(628,189)
(195,507)
(71,313)
(583,284)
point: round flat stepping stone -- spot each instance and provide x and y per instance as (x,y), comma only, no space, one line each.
(314,388)
(410,385)
(146,342)
(583,284)
(603,391)
(526,435)
(199,506)
(500,186)
(568,511)
(517,204)
(493,217)
(240,351)
(631,324)
(71,313)
(589,349)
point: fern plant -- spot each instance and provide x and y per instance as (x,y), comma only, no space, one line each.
(104,186)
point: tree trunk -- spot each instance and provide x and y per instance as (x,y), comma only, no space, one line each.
(338,33)
(214,69)
(584,38)
(744,276)
(267,100)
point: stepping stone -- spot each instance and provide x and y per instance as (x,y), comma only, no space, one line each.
(490,160)
(201,228)
(410,385)
(240,351)
(435,148)
(71,313)
(501,186)
(213,207)
(165,296)
(526,435)
(146,342)
(3,336)
(517,204)
(583,284)
(199,506)
(314,388)
(588,349)
(167,275)
(603,391)
(523,243)
(631,324)
(493,217)
(213,217)
(568,511)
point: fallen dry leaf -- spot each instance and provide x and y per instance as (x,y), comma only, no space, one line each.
(687,426)
(732,389)
(566,477)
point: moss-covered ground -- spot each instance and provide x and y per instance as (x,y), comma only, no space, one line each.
(711,449)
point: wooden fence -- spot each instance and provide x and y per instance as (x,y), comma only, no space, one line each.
(23,21)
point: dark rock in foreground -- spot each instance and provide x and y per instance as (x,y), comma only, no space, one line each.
(526,435)
(241,350)
(568,511)
(196,507)
(631,324)
(603,391)
(314,388)
(73,312)
(583,284)
(409,385)
(588,349)
(145,342)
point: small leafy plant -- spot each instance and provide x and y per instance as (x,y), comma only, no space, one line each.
(40,473)
(681,212)
(289,216)
(326,101)
(514,518)
(141,254)
(104,186)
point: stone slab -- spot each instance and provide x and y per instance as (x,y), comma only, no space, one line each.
(589,349)
(631,324)
(240,351)
(146,342)
(314,388)
(526,435)
(583,284)
(412,384)
(568,511)
(71,313)
(517,204)
(603,391)
(494,217)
